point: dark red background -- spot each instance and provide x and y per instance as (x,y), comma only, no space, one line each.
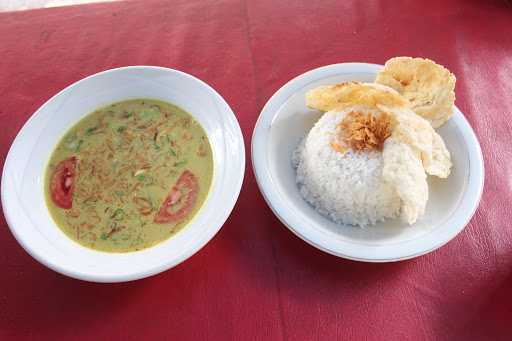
(255,280)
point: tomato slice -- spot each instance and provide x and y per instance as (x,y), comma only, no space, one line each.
(62,183)
(180,200)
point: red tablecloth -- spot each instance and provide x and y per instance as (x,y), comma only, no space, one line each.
(255,280)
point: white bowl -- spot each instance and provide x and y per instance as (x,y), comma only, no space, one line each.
(22,180)
(285,120)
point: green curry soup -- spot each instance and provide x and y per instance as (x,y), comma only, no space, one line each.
(129,175)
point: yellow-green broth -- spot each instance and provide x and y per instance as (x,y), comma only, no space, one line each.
(125,151)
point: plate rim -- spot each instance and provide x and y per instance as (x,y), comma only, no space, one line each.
(262,128)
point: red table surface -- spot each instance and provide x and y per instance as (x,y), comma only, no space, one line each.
(255,280)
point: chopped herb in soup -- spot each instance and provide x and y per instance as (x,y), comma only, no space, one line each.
(129,175)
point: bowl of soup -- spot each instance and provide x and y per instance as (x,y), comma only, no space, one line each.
(123,174)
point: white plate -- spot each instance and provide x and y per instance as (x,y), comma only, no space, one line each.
(285,120)
(22,180)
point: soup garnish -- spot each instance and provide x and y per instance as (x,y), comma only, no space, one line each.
(129,175)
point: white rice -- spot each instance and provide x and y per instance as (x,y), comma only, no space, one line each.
(348,188)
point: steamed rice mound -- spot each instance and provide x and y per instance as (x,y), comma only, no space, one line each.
(368,156)
(348,188)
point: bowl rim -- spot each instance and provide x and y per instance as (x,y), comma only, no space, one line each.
(264,181)
(193,247)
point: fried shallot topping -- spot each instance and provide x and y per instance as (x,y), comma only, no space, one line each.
(364,131)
